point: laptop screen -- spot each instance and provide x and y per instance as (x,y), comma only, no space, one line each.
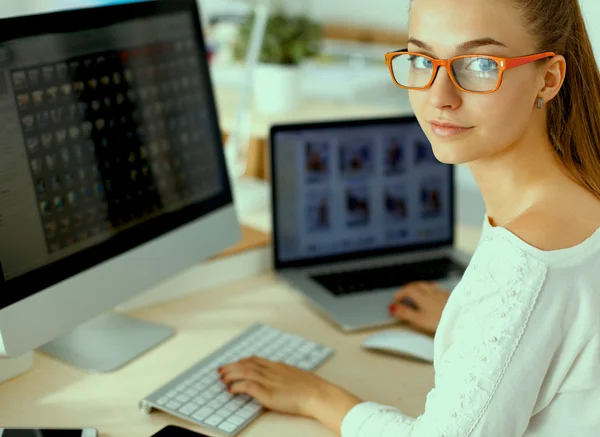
(349,189)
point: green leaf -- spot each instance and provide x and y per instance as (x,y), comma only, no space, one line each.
(288,39)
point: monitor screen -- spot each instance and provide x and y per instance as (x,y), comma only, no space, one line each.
(109,135)
(344,189)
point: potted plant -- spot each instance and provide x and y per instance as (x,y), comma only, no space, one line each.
(288,41)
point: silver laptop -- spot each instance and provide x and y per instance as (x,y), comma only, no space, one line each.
(360,208)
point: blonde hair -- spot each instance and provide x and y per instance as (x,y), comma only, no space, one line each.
(574,114)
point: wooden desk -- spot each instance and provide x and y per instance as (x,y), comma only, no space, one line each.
(251,239)
(55,395)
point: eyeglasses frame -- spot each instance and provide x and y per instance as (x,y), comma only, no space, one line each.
(504,64)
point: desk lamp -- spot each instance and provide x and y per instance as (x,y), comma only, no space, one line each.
(248,193)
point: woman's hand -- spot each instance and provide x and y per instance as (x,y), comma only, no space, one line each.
(285,389)
(421,305)
(274,385)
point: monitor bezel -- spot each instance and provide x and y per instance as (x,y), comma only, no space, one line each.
(74,20)
(364,254)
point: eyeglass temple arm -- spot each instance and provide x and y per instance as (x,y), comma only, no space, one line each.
(517,62)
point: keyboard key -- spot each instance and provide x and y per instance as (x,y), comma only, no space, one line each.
(211,378)
(236,419)
(173,405)
(253,408)
(238,402)
(306,347)
(163,401)
(215,403)
(188,409)
(246,414)
(225,396)
(216,388)
(228,426)
(229,409)
(200,386)
(203,413)
(243,398)
(233,405)
(200,402)
(214,420)
(207,396)
(183,398)
(192,392)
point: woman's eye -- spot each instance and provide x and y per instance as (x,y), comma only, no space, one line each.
(420,62)
(482,64)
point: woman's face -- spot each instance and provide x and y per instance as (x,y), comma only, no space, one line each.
(495,121)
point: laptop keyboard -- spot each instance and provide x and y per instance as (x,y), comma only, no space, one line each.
(356,281)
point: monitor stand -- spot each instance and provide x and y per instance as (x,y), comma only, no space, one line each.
(107,343)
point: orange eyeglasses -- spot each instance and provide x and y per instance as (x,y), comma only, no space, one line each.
(477,74)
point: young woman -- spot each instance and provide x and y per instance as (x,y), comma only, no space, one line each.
(517,349)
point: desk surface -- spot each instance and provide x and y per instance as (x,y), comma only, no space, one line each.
(55,395)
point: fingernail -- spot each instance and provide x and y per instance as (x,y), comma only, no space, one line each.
(393,308)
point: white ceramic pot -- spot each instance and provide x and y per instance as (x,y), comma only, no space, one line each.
(276,88)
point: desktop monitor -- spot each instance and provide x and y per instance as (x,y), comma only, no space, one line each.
(112,174)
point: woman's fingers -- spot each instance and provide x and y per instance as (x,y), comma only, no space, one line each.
(252,389)
(407,289)
(407,314)
(242,374)
(414,292)
(261,362)
(425,287)
(254,361)
(245,370)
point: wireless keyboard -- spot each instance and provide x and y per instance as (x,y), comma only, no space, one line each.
(199,396)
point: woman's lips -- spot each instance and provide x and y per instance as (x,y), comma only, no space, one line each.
(448,130)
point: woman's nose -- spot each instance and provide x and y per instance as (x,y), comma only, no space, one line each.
(443,93)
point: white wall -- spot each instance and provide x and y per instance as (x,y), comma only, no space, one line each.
(389,14)
(591,12)
(382,14)
(393,14)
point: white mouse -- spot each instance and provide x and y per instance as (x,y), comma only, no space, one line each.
(402,342)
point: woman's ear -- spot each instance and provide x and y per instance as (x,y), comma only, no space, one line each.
(554,72)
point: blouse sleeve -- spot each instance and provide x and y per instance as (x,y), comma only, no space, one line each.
(493,351)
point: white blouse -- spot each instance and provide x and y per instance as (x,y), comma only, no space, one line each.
(517,351)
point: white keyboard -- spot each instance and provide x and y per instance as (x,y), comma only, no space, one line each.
(199,396)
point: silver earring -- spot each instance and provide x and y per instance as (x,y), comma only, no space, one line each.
(540,103)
